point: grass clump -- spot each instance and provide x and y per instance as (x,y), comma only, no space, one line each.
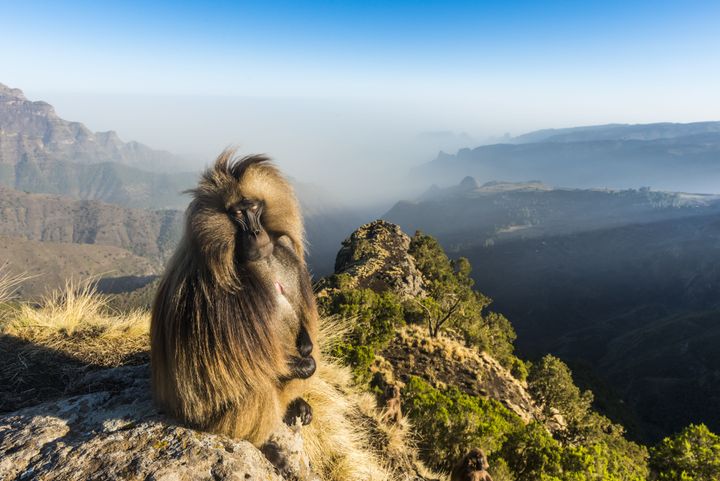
(78,322)
(45,346)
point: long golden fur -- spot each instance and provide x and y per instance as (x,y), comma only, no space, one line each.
(220,336)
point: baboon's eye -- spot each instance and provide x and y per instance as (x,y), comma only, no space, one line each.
(254,207)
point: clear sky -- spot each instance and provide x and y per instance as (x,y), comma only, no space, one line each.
(294,75)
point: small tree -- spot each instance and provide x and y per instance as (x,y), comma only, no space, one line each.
(451,298)
(532,454)
(691,455)
(551,384)
(452,302)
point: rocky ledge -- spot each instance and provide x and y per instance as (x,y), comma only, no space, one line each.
(111,431)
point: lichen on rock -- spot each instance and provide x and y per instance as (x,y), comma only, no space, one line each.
(376,257)
(115,433)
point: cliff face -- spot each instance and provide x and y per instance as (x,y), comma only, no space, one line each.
(33,131)
(40,152)
(51,218)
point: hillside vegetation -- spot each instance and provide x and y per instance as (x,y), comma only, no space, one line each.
(421,326)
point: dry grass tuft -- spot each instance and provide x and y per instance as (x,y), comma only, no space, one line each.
(10,283)
(78,322)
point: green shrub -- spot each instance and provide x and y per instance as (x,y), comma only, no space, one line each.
(359,358)
(373,320)
(532,454)
(519,369)
(691,455)
(449,422)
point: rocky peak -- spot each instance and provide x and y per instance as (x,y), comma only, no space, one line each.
(469,183)
(32,131)
(7,93)
(376,257)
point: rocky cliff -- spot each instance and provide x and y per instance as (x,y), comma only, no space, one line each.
(53,218)
(32,130)
(40,152)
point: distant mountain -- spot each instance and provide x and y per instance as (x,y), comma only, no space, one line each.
(52,218)
(40,152)
(33,131)
(679,157)
(663,130)
(470,214)
(622,284)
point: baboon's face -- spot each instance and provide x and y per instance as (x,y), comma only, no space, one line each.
(254,242)
(477,461)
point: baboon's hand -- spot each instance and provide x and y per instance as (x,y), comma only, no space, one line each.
(298,408)
(304,343)
(302,367)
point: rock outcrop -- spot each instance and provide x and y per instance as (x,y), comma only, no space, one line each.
(113,432)
(376,257)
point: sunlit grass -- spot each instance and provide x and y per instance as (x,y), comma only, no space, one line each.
(78,321)
(10,283)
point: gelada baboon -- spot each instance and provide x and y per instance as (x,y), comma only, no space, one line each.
(472,467)
(392,404)
(234,320)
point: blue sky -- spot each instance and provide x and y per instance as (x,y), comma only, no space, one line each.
(353,85)
(354,48)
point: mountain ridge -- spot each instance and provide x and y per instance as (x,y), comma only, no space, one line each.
(685,159)
(32,130)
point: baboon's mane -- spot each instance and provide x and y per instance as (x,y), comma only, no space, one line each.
(213,318)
